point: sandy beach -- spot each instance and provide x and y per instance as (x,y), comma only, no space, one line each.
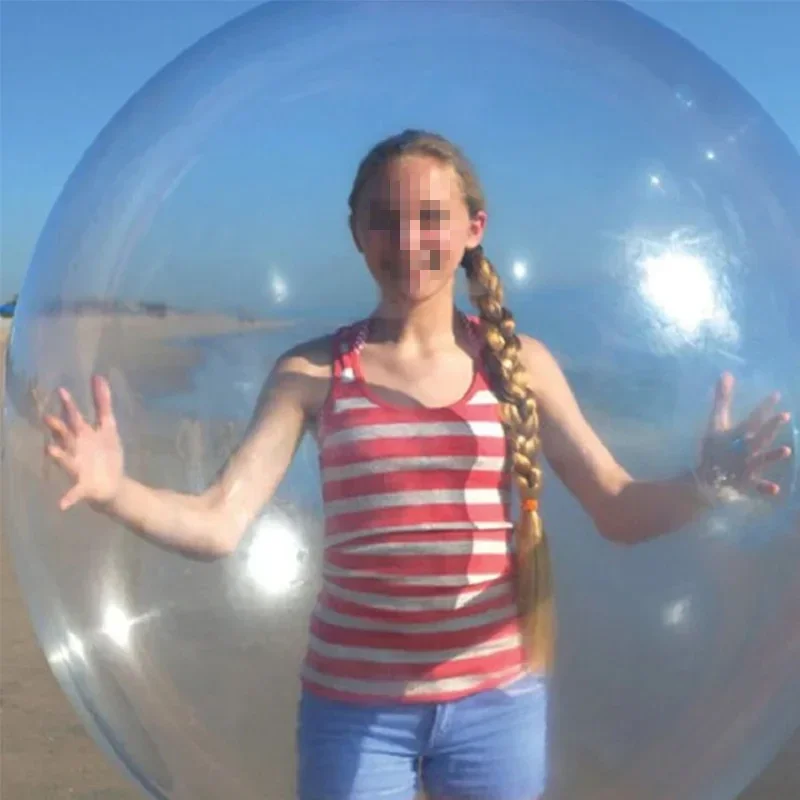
(46,752)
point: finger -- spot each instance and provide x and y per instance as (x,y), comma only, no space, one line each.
(62,458)
(101,392)
(58,429)
(73,416)
(759,415)
(767,488)
(759,461)
(766,434)
(71,498)
(721,410)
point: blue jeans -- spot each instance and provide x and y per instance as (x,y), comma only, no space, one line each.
(488,746)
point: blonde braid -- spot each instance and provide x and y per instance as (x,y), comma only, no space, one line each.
(520,417)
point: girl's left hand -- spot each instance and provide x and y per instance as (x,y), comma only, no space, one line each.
(733,458)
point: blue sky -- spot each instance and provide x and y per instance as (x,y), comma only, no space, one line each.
(68,67)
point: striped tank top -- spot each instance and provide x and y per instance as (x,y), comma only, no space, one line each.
(417,599)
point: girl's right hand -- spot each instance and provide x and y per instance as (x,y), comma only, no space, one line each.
(91,455)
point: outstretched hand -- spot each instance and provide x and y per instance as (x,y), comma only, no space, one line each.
(734,457)
(91,455)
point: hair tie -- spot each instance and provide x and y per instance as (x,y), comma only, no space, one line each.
(531,504)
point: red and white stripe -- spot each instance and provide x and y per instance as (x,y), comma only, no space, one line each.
(417,603)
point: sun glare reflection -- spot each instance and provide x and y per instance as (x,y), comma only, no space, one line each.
(680,280)
(70,651)
(519,270)
(275,557)
(677,614)
(278,288)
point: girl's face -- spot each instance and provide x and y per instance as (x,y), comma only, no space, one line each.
(413,226)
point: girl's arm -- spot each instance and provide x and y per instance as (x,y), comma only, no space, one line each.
(624,509)
(211,524)
(289,403)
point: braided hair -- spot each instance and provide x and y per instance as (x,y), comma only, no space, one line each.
(519,409)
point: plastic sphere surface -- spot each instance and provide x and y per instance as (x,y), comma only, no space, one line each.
(645,218)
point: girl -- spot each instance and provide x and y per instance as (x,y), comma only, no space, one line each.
(434,630)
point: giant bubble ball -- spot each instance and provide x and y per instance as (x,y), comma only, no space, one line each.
(644,215)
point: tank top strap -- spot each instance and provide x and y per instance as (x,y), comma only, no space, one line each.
(346,341)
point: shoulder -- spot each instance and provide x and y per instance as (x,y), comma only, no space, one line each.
(313,357)
(545,376)
(536,357)
(316,356)
(301,376)
(305,370)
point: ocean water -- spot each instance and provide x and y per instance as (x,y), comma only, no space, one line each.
(645,385)
(621,361)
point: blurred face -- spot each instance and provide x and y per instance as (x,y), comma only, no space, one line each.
(412,226)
